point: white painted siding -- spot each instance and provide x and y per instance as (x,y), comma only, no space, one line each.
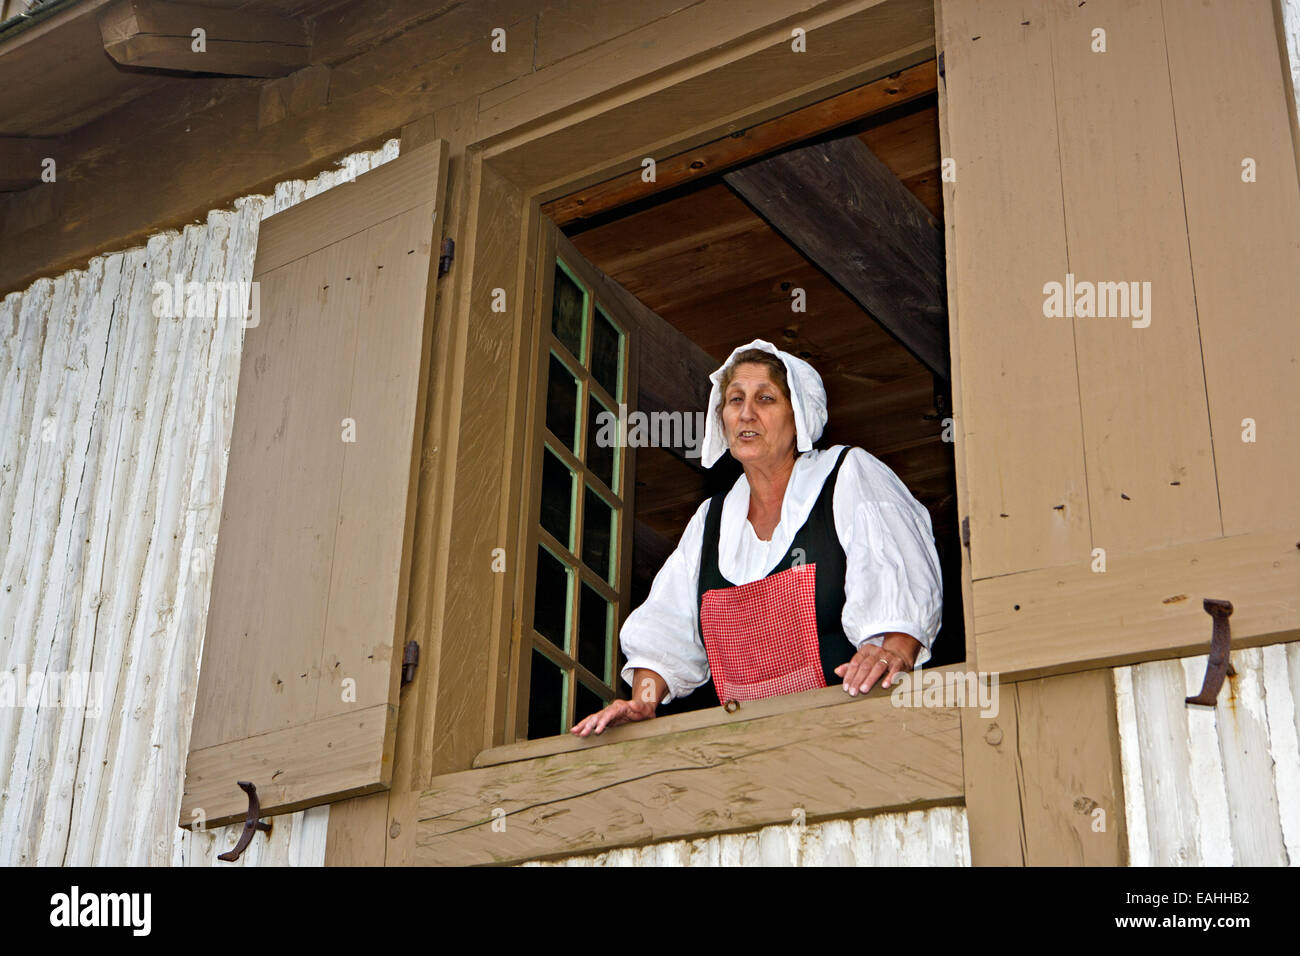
(1291,31)
(1212,787)
(933,837)
(114,434)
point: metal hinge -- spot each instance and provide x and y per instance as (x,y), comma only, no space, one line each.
(941,64)
(965,531)
(448,253)
(410,657)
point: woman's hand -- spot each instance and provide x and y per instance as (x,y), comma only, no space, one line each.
(619,712)
(897,653)
(652,689)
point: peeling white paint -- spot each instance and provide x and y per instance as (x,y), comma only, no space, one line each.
(934,837)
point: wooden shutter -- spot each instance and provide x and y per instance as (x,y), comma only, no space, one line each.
(1079,434)
(309,586)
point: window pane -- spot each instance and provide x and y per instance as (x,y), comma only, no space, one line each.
(585,703)
(595,619)
(602,444)
(568,310)
(557,498)
(545,698)
(562,403)
(552,602)
(606,353)
(598,536)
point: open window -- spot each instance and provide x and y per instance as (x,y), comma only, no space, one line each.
(844,267)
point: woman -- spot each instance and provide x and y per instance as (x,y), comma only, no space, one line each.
(817,566)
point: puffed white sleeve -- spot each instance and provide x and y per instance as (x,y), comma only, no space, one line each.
(892,580)
(662,634)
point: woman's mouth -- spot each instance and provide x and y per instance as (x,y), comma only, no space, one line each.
(747,435)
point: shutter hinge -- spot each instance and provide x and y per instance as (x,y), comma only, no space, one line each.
(965,531)
(941,64)
(410,657)
(446,256)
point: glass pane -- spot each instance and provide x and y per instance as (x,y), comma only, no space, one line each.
(606,353)
(598,535)
(602,443)
(552,602)
(562,403)
(557,498)
(568,311)
(585,703)
(545,698)
(595,619)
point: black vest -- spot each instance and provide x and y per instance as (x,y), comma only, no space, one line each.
(817,542)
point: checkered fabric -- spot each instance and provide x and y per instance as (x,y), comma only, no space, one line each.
(761,637)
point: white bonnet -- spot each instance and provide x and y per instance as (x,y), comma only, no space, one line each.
(807,395)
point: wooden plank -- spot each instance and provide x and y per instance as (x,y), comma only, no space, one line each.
(1071,782)
(358,831)
(301,766)
(316,535)
(1022,444)
(148,34)
(842,208)
(719,154)
(711,780)
(1143,607)
(389,191)
(1150,465)
(1229,99)
(856,43)
(21,160)
(678,723)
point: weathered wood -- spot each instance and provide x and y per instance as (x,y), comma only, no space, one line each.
(1120,153)
(1236,231)
(316,535)
(842,208)
(1068,766)
(859,756)
(21,160)
(150,34)
(1009,239)
(1143,606)
(933,837)
(712,157)
(339,756)
(1212,786)
(676,723)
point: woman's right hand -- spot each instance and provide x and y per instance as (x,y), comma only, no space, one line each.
(618,712)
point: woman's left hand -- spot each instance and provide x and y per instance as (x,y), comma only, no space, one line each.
(897,653)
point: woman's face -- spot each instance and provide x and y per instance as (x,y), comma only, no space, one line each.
(758,418)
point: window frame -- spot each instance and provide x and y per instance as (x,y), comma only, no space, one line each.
(511,179)
(553,248)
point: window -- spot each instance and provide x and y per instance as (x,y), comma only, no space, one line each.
(579,537)
(711,270)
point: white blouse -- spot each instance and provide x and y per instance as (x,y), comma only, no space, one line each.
(892,580)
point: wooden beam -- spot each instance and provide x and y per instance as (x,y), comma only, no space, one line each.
(20,161)
(1144,606)
(842,208)
(151,34)
(852,758)
(743,145)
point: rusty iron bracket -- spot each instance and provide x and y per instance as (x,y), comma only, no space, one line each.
(251,824)
(1220,663)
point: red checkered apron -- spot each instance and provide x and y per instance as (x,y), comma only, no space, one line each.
(761,637)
